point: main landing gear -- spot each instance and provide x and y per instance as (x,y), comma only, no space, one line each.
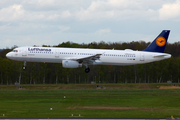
(24,67)
(87,70)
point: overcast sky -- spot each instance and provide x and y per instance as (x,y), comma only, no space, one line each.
(50,22)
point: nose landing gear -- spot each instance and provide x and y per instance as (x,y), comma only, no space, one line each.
(24,67)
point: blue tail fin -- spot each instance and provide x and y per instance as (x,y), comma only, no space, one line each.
(159,44)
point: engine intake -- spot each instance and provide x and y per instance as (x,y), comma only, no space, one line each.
(70,64)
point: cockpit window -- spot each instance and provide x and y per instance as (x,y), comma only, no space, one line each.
(15,50)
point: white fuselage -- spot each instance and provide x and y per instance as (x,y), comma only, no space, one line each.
(108,57)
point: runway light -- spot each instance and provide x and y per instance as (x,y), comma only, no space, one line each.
(64,96)
(50,108)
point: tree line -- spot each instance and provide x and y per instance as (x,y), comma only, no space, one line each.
(53,73)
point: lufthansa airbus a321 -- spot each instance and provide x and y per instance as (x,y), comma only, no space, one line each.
(77,57)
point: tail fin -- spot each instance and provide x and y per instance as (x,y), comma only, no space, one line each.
(159,44)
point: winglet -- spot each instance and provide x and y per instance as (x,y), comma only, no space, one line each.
(159,44)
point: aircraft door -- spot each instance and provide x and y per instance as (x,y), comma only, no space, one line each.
(56,53)
(142,57)
(24,52)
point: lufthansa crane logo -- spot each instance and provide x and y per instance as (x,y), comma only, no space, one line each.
(160,41)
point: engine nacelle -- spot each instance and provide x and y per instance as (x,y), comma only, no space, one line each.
(70,64)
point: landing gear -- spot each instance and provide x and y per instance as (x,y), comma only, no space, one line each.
(24,67)
(87,70)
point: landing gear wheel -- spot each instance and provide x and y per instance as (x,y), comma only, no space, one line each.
(87,70)
(24,68)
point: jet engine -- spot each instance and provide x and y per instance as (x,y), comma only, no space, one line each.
(70,64)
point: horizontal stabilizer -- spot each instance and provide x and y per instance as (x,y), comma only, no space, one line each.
(162,56)
(158,56)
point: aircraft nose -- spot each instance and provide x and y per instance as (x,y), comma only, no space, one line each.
(8,55)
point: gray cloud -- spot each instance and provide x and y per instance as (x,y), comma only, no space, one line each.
(37,22)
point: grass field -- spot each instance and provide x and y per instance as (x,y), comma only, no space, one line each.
(116,101)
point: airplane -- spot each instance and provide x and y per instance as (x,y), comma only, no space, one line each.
(77,57)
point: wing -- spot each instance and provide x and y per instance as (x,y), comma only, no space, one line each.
(87,60)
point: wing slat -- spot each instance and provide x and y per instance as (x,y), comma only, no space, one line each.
(88,59)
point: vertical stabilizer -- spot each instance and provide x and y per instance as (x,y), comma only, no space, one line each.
(159,44)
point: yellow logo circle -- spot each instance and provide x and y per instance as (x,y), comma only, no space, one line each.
(160,41)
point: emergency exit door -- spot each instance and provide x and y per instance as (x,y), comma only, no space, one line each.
(24,52)
(142,57)
(56,53)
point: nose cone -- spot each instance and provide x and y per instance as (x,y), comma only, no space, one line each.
(8,55)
